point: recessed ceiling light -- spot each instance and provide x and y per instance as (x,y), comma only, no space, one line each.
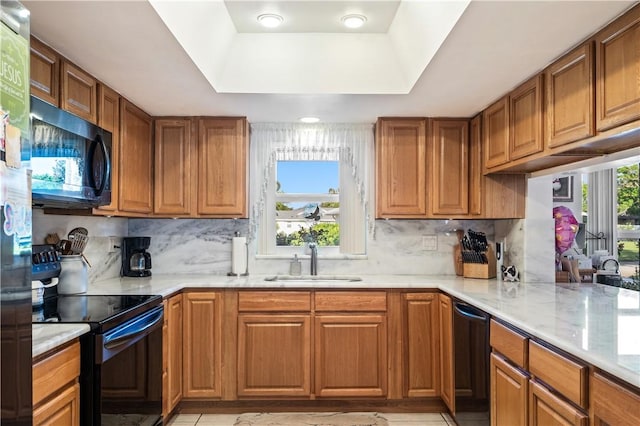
(354,21)
(270,20)
(309,119)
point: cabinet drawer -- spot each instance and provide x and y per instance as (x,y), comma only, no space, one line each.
(55,372)
(370,301)
(562,374)
(614,404)
(274,301)
(509,343)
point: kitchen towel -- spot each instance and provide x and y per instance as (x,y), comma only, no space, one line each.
(239,254)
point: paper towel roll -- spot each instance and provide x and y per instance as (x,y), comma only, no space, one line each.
(239,255)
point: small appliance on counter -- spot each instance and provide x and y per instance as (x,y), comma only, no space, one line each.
(136,261)
(45,270)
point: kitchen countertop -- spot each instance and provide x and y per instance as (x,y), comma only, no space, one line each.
(596,323)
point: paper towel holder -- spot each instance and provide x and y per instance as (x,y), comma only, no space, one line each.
(246,272)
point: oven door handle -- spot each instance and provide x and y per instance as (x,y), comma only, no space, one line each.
(134,330)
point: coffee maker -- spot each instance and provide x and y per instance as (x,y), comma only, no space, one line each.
(136,262)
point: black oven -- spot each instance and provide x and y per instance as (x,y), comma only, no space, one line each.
(70,159)
(121,357)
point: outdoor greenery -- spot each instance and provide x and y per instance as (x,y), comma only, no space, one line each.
(628,193)
(325,234)
(628,251)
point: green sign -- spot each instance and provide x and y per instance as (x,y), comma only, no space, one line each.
(14,78)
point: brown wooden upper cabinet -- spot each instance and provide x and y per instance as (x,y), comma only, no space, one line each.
(45,72)
(569,97)
(495,121)
(61,83)
(401,168)
(222,167)
(109,119)
(449,142)
(174,166)
(513,125)
(78,92)
(618,71)
(525,119)
(136,160)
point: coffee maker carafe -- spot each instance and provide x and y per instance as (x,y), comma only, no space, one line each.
(136,261)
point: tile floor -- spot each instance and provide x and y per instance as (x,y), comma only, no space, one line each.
(394,419)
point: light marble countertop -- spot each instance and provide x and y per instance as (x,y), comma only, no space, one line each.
(596,323)
(51,335)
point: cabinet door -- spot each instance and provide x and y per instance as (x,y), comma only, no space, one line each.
(476,178)
(109,119)
(525,119)
(569,100)
(45,72)
(136,159)
(618,71)
(613,404)
(420,345)
(173,345)
(62,410)
(222,167)
(509,393)
(450,168)
(274,355)
(496,133)
(202,366)
(78,93)
(547,409)
(401,164)
(447,368)
(350,355)
(173,167)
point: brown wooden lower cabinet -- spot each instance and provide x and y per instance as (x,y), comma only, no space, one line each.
(447,366)
(56,392)
(509,393)
(62,410)
(351,355)
(420,345)
(172,354)
(202,348)
(274,355)
(613,404)
(547,409)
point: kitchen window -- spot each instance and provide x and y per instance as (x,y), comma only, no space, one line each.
(307,203)
(338,156)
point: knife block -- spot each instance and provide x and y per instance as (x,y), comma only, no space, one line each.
(481,270)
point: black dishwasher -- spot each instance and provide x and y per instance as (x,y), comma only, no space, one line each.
(471,349)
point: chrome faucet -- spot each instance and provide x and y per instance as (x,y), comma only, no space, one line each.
(314,258)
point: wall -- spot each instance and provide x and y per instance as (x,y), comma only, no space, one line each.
(103,263)
(203,246)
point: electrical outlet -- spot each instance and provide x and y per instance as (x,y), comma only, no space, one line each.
(114,244)
(430,242)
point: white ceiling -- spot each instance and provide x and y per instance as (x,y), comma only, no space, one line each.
(311,16)
(491,48)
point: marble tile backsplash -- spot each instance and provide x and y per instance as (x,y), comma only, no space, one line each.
(203,246)
(104,264)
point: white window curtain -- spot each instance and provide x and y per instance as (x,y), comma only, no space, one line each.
(602,208)
(350,144)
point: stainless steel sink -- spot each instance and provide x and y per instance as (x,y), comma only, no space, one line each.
(314,278)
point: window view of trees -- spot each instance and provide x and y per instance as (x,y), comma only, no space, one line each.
(628,178)
(307,203)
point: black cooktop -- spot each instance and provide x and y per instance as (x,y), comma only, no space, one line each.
(101,312)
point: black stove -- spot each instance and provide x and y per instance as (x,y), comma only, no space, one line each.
(101,312)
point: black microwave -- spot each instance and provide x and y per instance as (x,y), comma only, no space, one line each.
(70,159)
